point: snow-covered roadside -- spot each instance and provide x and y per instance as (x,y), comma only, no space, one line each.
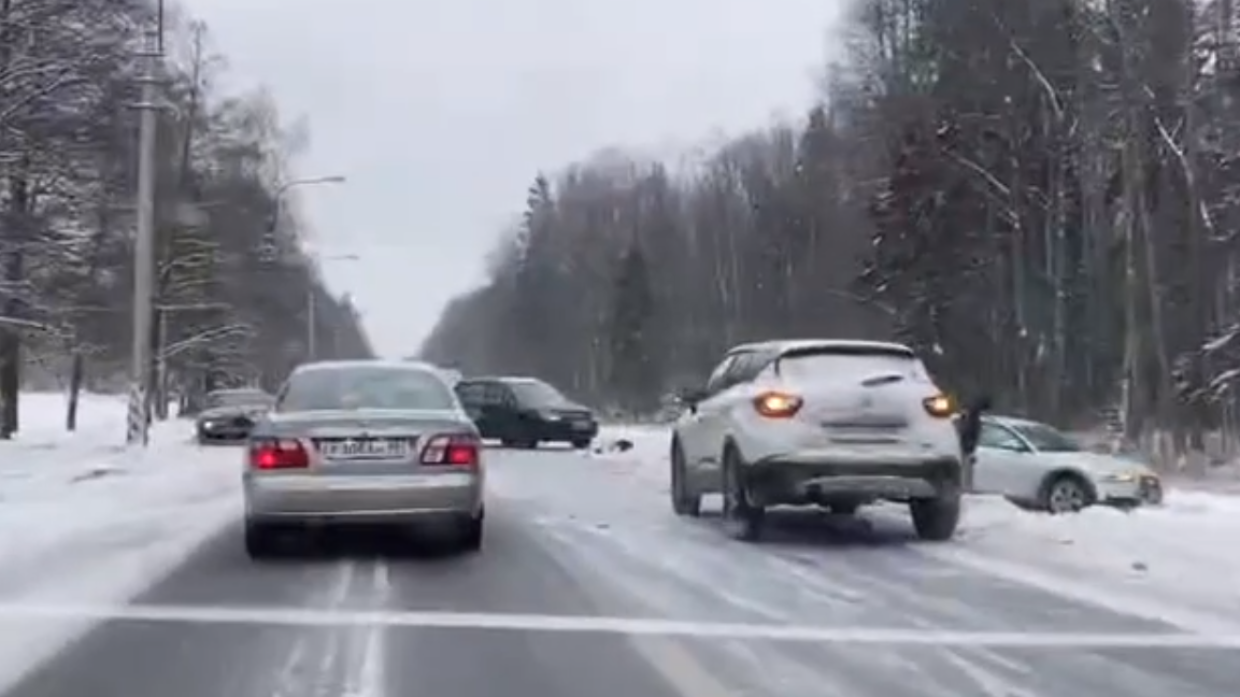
(1173,562)
(639,451)
(87,520)
(43,452)
(59,487)
(65,502)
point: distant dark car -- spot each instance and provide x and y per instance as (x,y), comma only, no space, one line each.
(523,412)
(229,415)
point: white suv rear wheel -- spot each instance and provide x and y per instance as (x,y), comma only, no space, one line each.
(936,519)
(685,501)
(742,519)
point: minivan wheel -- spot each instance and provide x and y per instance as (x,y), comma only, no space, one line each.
(684,501)
(742,519)
(936,519)
(581,444)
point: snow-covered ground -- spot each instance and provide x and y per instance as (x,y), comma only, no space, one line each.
(1176,563)
(88,519)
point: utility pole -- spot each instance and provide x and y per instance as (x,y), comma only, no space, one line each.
(160,388)
(312,323)
(138,430)
(312,305)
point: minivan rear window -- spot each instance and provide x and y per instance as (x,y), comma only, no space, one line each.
(859,362)
(365,387)
(238,398)
(537,394)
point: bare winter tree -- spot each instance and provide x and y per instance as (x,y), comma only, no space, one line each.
(67,177)
(1042,197)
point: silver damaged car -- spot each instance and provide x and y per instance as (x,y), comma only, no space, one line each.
(371,442)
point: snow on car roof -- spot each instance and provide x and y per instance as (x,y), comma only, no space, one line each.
(503,378)
(785,345)
(1014,421)
(237,390)
(366,363)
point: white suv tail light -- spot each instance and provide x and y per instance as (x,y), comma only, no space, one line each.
(777,405)
(939,406)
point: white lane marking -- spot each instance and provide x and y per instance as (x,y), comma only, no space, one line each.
(305,617)
(286,676)
(367,677)
(676,663)
(985,678)
(310,659)
(679,666)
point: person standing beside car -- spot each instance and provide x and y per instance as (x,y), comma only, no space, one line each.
(969,426)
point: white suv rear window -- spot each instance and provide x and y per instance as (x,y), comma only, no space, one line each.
(861,364)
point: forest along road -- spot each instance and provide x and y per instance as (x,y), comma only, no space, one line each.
(589,586)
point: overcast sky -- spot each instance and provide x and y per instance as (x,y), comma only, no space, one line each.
(440,112)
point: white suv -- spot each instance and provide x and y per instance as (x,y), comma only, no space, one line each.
(835,423)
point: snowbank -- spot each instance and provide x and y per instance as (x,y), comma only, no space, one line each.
(1175,563)
(100,432)
(43,458)
(89,521)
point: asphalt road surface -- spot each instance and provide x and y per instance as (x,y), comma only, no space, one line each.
(589,587)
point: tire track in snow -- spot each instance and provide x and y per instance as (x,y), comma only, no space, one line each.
(340,661)
(749,668)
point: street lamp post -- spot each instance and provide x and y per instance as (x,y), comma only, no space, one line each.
(312,329)
(273,226)
(332,179)
(283,189)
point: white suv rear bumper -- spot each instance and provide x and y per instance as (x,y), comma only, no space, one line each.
(809,476)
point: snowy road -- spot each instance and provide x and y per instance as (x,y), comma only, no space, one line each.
(656,606)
